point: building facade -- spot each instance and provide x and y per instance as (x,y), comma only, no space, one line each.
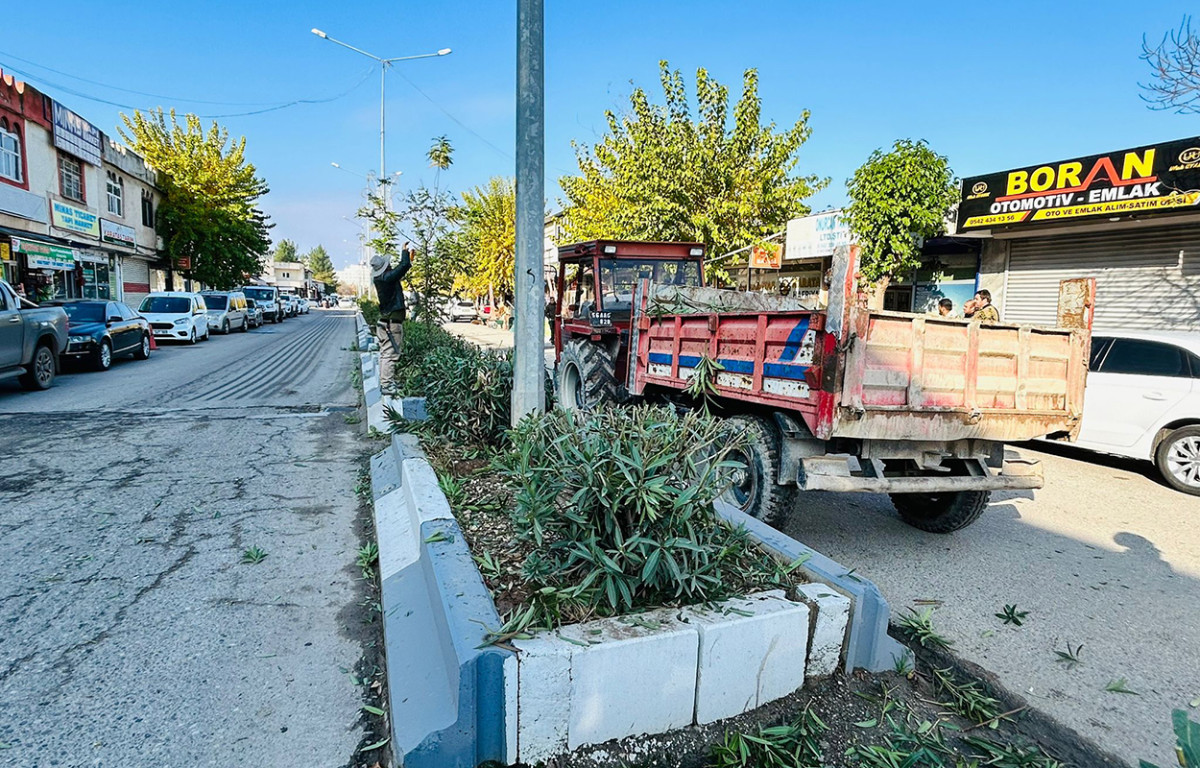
(1129,218)
(76,209)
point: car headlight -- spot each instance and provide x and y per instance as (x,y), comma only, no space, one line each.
(181,321)
(80,339)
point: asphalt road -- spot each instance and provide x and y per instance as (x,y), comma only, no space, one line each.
(132,634)
(1105,556)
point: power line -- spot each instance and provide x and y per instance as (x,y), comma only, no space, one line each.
(447,113)
(273,108)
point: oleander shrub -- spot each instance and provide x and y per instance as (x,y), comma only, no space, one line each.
(370,312)
(618,504)
(420,341)
(468,394)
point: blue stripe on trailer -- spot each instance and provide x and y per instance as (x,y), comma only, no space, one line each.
(795,340)
(770,370)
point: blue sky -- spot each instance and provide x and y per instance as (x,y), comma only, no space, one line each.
(989,85)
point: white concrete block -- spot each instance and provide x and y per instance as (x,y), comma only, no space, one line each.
(543,698)
(421,492)
(375,417)
(630,676)
(752,651)
(511,673)
(398,545)
(828,629)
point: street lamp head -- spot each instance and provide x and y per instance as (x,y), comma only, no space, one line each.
(319,33)
(335,165)
(443,52)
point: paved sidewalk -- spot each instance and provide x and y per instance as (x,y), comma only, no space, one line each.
(483,335)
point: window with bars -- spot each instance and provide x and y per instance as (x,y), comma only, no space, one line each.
(70,178)
(115,187)
(10,152)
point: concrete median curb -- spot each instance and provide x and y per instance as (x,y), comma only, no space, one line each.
(456,701)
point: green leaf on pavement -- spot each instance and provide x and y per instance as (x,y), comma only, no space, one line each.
(373,710)
(867,723)
(376,745)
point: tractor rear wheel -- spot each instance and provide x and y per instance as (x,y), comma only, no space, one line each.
(586,376)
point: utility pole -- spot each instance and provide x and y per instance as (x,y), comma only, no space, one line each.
(529,366)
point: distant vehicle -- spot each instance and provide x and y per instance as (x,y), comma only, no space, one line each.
(176,315)
(100,330)
(226,311)
(1143,401)
(267,297)
(463,312)
(345,302)
(291,303)
(254,314)
(31,340)
(305,306)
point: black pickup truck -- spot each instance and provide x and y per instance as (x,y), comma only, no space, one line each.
(31,339)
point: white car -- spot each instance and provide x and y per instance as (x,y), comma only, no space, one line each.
(176,315)
(345,302)
(305,305)
(463,312)
(1143,401)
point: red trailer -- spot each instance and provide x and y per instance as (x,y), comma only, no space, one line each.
(849,399)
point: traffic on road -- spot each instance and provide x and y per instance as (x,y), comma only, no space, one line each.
(39,342)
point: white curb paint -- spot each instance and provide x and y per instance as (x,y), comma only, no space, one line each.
(828,628)
(748,660)
(628,679)
(421,492)
(393,524)
(543,698)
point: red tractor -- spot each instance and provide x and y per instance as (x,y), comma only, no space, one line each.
(595,287)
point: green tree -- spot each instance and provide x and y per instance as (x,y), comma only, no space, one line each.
(209,216)
(488,235)
(659,174)
(897,199)
(285,250)
(322,267)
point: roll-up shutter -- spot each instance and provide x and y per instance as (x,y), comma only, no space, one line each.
(135,280)
(1142,281)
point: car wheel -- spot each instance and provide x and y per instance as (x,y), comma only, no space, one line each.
(192,338)
(143,350)
(245,325)
(102,360)
(41,370)
(225,328)
(1178,459)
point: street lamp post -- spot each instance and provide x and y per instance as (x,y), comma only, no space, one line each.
(384,63)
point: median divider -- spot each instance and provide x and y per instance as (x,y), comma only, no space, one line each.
(457,701)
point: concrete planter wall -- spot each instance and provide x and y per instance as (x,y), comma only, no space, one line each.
(458,702)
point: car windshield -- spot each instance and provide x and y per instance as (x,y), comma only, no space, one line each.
(215,302)
(618,276)
(85,313)
(167,305)
(465,304)
(262,294)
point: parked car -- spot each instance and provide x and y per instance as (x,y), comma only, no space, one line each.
(254,314)
(345,302)
(267,297)
(463,311)
(176,315)
(31,339)
(226,311)
(1143,401)
(291,303)
(305,305)
(101,330)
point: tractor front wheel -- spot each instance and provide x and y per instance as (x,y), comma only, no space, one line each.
(586,376)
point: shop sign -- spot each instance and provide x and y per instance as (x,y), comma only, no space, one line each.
(119,234)
(76,136)
(45,256)
(5,253)
(817,236)
(1146,181)
(765,258)
(75,219)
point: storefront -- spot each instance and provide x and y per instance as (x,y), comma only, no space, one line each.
(1130,219)
(45,270)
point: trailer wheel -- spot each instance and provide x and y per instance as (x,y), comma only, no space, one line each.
(585,377)
(753,490)
(941,512)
